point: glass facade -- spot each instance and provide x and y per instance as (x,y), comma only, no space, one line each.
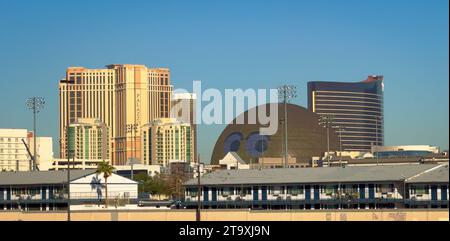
(356,107)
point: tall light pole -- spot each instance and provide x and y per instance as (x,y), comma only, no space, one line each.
(340,129)
(286,93)
(35,104)
(67,149)
(327,122)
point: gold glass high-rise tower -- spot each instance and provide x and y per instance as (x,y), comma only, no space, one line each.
(121,95)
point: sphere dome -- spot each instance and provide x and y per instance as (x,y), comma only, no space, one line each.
(306,138)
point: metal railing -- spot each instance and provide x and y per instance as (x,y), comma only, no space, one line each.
(62,197)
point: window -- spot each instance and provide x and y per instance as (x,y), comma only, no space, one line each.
(328,190)
(420,190)
(276,190)
(385,188)
(192,192)
(295,190)
(226,191)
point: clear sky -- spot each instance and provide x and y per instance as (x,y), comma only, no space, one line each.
(235,44)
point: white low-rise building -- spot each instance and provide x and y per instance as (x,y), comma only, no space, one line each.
(77,164)
(404,151)
(233,161)
(151,170)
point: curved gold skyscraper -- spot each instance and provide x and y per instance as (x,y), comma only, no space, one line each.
(355,107)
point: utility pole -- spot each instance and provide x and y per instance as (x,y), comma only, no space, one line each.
(286,93)
(35,104)
(198,193)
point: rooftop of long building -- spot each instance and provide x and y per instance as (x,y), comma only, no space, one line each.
(354,174)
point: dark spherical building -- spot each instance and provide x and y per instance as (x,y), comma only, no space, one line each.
(306,138)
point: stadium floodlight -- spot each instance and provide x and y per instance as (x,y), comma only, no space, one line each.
(327,121)
(340,129)
(35,104)
(286,93)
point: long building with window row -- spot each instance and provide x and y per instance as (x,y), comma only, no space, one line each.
(373,187)
(47,190)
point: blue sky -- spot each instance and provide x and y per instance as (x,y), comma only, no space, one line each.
(235,44)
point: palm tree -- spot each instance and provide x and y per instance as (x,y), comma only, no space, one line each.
(107,170)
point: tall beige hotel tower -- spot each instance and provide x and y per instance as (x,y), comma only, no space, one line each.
(124,97)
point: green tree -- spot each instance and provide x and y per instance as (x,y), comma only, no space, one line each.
(156,185)
(107,170)
(159,185)
(144,182)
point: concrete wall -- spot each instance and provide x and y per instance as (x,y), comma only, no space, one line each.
(231,215)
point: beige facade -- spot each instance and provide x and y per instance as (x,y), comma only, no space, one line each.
(118,96)
(277,162)
(89,139)
(184,109)
(165,140)
(13,154)
(44,151)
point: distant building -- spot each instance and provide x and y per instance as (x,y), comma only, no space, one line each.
(47,190)
(278,162)
(404,151)
(119,95)
(150,170)
(44,151)
(184,109)
(357,107)
(77,164)
(233,161)
(13,154)
(166,139)
(373,187)
(89,139)
(92,164)
(387,161)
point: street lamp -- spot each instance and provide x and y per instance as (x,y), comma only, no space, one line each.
(67,150)
(327,122)
(36,104)
(286,93)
